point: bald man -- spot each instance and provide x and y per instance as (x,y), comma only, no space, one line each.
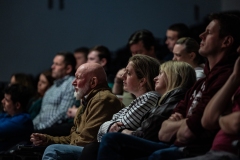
(98,106)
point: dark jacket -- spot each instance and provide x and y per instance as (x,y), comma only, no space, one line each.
(153,120)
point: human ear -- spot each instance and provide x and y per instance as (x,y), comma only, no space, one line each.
(228,40)
(18,105)
(192,55)
(103,62)
(143,81)
(68,69)
(93,82)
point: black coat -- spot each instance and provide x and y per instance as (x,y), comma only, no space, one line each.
(153,120)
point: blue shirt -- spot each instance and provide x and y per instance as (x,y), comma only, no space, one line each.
(55,104)
(14,129)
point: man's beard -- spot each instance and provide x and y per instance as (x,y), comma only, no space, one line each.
(81,92)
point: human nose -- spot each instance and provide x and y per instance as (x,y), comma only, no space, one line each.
(202,35)
(124,75)
(52,66)
(74,83)
(2,101)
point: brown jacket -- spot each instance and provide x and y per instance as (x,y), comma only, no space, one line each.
(100,106)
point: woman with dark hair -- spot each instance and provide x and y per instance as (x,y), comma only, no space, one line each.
(45,81)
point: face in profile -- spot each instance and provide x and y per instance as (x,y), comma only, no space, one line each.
(43,84)
(93,57)
(8,105)
(172,37)
(80,58)
(81,83)
(211,42)
(160,83)
(130,80)
(59,69)
(13,80)
(180,53)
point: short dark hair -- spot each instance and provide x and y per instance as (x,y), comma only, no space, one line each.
(229,25)
(145,36)
(83,50)
(69,59)
(191,45)
(19,93)
(103,53)
(181,28)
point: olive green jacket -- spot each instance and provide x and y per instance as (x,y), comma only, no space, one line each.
(100,105)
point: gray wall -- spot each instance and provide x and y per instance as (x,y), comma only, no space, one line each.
(31,33)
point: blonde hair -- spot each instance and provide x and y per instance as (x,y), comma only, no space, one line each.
(145,67)
(179,74)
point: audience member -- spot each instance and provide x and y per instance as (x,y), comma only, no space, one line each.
(98,106)
(138,80)
(44,83)
(140,42)
(80,55)
(59,97)
(173,33)
(16,125)
(215,115)
(25,80)
(219,44)
(186,49)
(101,55)
(172,82)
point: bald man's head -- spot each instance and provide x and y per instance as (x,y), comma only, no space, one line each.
(87,77)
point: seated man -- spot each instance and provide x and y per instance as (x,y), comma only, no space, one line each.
(15,124)
(214,117)
(98,106)
(59,97)
(186,50)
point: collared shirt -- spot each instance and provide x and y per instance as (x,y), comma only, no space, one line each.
(56,102)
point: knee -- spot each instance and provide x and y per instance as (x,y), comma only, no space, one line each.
(111,136)
(51,148)
(50,152)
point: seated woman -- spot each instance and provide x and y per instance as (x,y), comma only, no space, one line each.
(45,81)
(138,80)
(174,79)
(16,125)
(186,50)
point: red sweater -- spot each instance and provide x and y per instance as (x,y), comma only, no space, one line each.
(196,99)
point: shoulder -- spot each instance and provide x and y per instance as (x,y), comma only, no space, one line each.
(152,94)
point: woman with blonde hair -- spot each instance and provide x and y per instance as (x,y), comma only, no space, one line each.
(174,79)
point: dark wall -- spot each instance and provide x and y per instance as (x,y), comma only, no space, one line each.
(31,33)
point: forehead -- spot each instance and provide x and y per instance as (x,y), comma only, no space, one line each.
(7,96)
(80,70)
(78,54)
(93,54)
(172,34)
(130,66)
(214,25)
(179,48)
(58,59)
(137,46)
